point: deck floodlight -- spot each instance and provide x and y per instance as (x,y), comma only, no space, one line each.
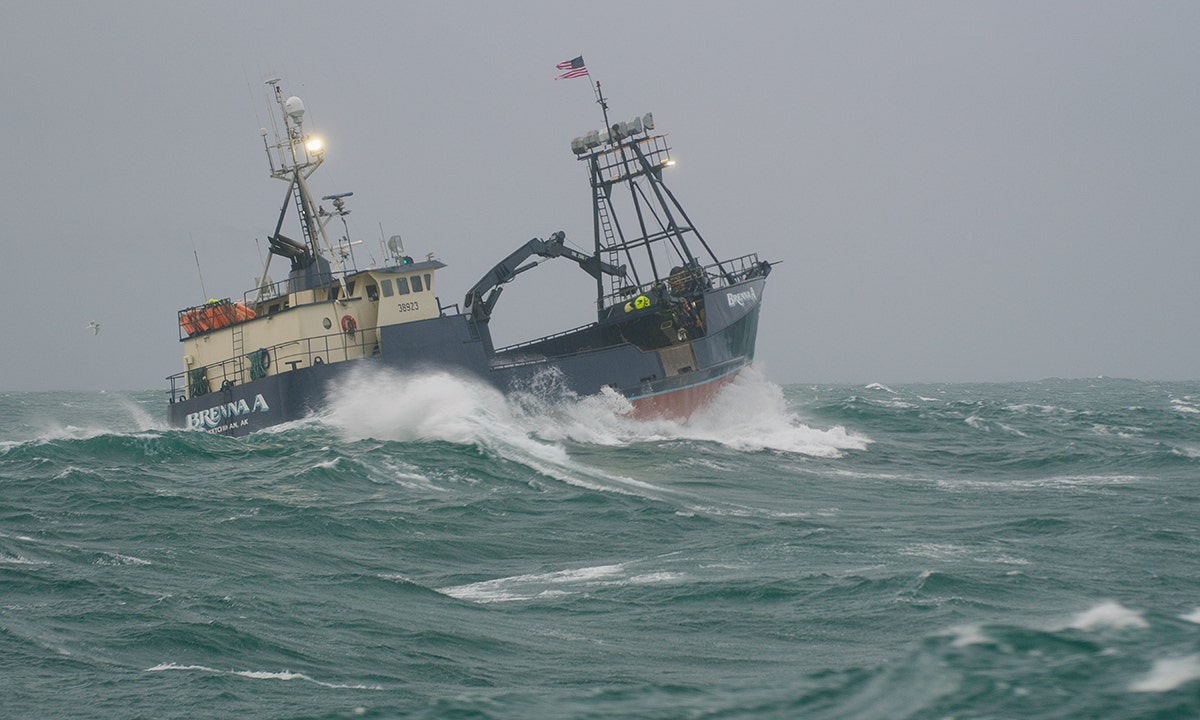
(314,145)
(604,138)
(620,130)
(648,121)
(635,126)
(579,145)
(592,139)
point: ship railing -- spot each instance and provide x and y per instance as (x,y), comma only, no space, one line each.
(522,360)
(539,341)
(282,358)
(621,163)
(708,277)
(267,292)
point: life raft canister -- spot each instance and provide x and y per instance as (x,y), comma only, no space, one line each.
(349,325)
(214,315)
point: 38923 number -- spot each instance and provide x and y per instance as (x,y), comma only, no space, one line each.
(407,306)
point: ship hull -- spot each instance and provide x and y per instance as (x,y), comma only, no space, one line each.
(675,381)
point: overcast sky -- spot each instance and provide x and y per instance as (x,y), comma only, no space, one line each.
(956,191)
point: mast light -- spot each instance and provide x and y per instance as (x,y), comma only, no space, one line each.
(314,145)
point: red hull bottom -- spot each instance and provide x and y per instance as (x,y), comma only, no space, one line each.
(680,404)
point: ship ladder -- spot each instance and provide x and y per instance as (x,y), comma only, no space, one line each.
(610,238)
(304,228)
(238,346)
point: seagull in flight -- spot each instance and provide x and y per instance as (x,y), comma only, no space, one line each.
(95,327)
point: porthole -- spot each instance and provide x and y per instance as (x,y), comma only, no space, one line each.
(327,323)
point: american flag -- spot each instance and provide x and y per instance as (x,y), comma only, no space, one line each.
(574,68)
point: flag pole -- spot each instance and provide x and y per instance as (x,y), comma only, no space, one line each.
(603,103)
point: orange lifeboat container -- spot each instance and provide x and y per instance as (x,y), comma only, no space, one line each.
(213,316)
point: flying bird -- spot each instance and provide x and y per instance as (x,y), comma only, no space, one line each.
(95,327)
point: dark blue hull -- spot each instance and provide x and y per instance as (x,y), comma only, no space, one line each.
(670,380)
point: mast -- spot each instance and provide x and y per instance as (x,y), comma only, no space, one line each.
(630,153)
(299,155)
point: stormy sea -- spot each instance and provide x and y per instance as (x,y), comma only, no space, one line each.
(431,548)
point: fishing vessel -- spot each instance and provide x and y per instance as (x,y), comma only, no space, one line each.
(674,322)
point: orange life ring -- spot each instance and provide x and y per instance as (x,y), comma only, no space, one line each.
(348,325)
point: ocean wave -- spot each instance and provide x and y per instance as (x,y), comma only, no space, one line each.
(535,430)
(749,414)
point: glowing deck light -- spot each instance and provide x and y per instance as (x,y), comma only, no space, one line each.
(314,145)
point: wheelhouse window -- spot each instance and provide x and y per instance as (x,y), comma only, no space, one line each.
(416,283)
(386,286)
(373,292)
(401,286)
(335,290)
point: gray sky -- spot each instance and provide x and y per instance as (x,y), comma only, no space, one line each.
(957,191)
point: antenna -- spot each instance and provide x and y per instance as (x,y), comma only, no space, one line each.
(198,272)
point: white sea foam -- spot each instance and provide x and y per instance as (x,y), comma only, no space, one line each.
(533,586)
(1166,674)
(880,386)
(1187,451)
(560,583)
(18,560)
(437,406)
(410,407)
(1086,482)
(1044,409)
(1108,615)
(1185,405)
(937,551)
(966,635)
(252,512)
(118,559)
(1192,617)
(259,675)
(1011,430)
(528,426)
(750,414)
(70,470)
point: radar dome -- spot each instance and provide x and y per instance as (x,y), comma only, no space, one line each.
(294,108)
